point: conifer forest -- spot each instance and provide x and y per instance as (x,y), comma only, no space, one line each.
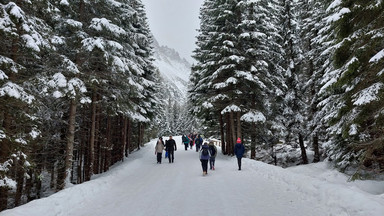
(79,91)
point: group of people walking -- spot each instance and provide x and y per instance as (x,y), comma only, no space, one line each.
(207,150)
(170,148)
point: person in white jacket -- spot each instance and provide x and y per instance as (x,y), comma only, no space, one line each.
(159,148)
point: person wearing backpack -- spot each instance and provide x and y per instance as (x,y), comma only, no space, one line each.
(239,151)
(204,157)
(198,142)
(185,140)
(159,149)
(213,153)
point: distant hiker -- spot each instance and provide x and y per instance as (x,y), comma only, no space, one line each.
(159,149)
(185,140)
(170,147)
(239,151)
(191,140)
(198,142)
(204,157)
(193,137)
(213,153)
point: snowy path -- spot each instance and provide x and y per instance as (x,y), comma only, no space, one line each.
(139,186)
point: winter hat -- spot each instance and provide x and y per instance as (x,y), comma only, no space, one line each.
(238,140)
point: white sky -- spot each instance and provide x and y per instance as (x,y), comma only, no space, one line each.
(174,23)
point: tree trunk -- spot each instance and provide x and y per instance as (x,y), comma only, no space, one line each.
(91,149)
(97,167)
(139,136)
(233,132)
(108,144)
(60,180)
(70,143)
(303,152)
(253,141)
(4,155)
(128,143)
(238,127)
(124,138)
(222,133)
(28,185)
(316,149)
(19,179)
(229,136)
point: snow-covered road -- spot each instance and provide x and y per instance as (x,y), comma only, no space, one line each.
(139,186)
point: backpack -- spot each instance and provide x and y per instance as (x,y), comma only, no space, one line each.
(198,141)
(184,139)
(204,152)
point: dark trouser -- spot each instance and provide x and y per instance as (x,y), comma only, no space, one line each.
(204,165)
(239,163)
(186,146)
(197,147)
(191,144)
(159,156)
(211,162)
(171,156)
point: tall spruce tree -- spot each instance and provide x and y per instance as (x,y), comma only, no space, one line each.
(356,86)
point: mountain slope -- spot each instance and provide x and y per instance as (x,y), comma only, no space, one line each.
(174,70)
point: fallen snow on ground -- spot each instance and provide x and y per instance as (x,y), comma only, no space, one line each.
(139,186)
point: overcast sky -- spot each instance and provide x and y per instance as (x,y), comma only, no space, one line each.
(174,23)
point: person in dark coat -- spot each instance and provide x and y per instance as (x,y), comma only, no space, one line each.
(213,153)
(239,151)
(185,140)
(159,149)
(198,142)
(204,157)
(170,147)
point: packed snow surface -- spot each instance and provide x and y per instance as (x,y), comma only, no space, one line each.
(139,186)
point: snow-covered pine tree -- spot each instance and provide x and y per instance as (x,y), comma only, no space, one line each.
(24,42)
(356,87)
(232,77)
(294,100)
(148,103)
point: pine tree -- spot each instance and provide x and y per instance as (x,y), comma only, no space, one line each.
(356,87)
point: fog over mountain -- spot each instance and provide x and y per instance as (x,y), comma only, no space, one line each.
(174,69)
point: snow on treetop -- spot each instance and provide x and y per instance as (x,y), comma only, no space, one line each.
(338,15)
(64,2)
(207,105)
(230,108)
(377,57)
(7,182)
(115,3)
(253,116)
(74,23)
(367,95)
(14,90)
(15,11)
(101,24)
(380,73)
(2,134)
(333,5)
(229,81)
(353,129)
(3,76)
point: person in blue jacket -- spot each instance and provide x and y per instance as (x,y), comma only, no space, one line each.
(239,151)
(204,157)
(198,142)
